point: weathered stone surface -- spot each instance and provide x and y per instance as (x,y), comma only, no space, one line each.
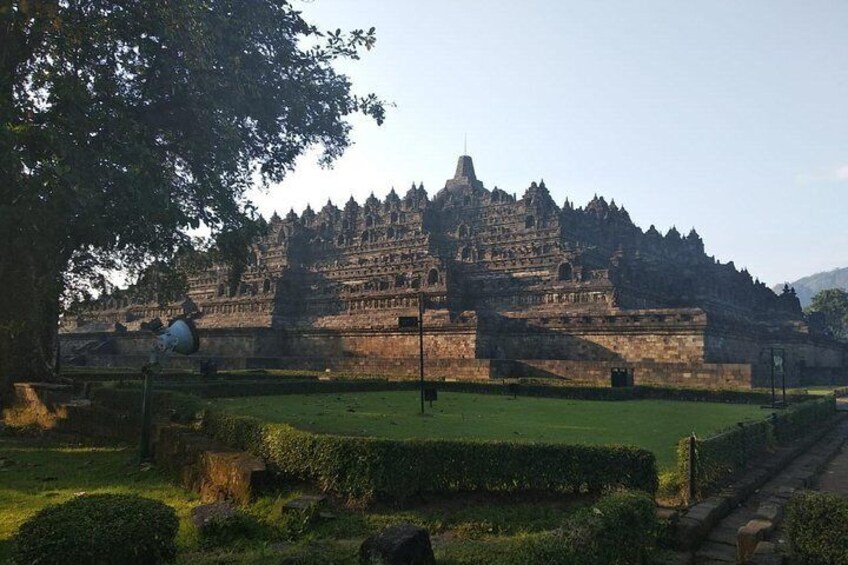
(771,512)
(403,544)
(767,553)
(749,536)
(306,502)
(227,475)
(502,278)
(206,514)
(216,472)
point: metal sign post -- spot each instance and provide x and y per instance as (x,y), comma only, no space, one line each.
(778,362)
(421,345)
(149,371)
(411,322)
(771,359)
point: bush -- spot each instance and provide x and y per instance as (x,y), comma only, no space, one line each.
(228,386)
(817,528)
(719,457)
(96,529)
(620,529)
(670,486)
(364,469)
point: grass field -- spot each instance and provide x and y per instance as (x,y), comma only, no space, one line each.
(35,472)
(656,425)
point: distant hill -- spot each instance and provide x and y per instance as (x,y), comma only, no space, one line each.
(808,286)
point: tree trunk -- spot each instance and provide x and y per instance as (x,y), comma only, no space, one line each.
(29,314)
(30,273)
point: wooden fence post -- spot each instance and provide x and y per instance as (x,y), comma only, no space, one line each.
(692,478)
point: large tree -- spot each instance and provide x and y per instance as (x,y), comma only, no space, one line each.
(832,305)
(126,124)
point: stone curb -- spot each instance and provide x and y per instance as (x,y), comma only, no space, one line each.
(695,524)
(761,551)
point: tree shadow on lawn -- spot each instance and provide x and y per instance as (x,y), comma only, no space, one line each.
(38,471)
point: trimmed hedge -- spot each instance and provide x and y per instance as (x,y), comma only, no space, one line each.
(619,529)
(99,528)
(250,387)
(719,457)
(817,528)
(366,469)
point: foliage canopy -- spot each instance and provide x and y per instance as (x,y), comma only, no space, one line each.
(124,125)
(832,305)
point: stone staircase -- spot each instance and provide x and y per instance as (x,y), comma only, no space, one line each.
(741,536)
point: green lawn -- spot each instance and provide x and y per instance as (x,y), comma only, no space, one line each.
(656,425)
(35,473)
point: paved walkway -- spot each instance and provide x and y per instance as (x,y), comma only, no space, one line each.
(720,545)
(834,478)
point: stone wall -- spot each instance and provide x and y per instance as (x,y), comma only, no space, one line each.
(600,346)
(808,360)
(694,375)
(451,344)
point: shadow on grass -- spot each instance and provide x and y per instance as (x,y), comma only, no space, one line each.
(38,471)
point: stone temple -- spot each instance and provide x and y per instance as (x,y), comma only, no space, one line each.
(511,286)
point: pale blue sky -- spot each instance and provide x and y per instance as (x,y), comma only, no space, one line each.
(728,116)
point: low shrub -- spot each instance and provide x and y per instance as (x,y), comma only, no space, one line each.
(364,469)
(800,419)
(719,457)
(100,528)
(619,529)
(670,487)
(817,528)
(250,386)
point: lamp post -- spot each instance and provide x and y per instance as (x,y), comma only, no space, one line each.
(409,322)
(179,337)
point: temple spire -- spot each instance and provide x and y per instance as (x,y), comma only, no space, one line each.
(464,175)
(465,170)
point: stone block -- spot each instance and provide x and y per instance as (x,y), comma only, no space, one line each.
(206,514)
(690,533)
(749,536)
(228,475)
(403,544)
(771,512)
(306,502)
(766,554)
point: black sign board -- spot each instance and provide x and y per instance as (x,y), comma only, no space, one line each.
(407,321)
(430,394)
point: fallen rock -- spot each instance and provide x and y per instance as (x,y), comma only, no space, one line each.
(306,502)
(230,475)
(217,512)
(402,544)
(749,536)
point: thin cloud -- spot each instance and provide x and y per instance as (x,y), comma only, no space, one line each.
(839,174)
